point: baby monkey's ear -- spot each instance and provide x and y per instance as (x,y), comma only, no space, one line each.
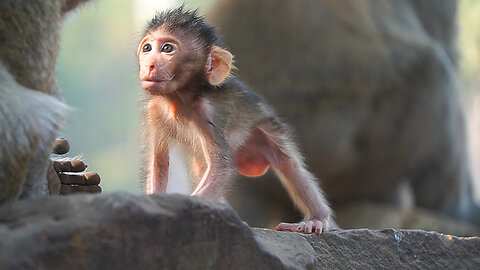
(219,64)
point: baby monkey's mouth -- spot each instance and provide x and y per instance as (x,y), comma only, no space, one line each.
(149,82)
(157,79)
(154,80)
(155,86)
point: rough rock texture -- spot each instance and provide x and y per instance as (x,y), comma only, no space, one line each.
(394,249)
(125,231)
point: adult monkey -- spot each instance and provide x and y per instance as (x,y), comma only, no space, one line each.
(369,86)
(31,109)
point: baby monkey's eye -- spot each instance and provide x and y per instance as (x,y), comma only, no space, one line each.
(147,47)
(168,48)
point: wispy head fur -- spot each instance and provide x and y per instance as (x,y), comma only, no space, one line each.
(187,21)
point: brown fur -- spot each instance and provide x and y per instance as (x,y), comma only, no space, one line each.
(370,87)
(31,108)
(222,125)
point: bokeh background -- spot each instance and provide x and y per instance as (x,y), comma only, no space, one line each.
(98,75)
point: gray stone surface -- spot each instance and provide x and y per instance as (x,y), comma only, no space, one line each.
(394,249)
(378,216)
(125,231)
(292,249)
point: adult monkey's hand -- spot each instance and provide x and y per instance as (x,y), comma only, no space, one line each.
(67,176)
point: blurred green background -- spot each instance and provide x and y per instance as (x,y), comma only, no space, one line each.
(97,72)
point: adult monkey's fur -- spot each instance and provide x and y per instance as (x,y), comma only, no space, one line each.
(31,107)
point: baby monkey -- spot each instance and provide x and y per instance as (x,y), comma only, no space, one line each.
(222,125)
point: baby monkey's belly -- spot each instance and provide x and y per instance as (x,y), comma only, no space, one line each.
(250,159)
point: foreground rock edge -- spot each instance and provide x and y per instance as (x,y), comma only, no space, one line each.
(169,231)
(126,231)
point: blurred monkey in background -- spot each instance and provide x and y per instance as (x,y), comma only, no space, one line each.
(369,86)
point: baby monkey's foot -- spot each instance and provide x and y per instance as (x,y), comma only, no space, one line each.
(311,226)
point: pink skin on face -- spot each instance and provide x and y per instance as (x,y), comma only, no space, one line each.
(156,55)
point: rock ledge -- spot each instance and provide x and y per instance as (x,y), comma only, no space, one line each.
(169,231)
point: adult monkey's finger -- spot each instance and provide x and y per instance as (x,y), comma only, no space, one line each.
(88,179)
(69,166)
(69,189)
(61,146)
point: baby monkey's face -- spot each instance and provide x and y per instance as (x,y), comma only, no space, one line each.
(169,62)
